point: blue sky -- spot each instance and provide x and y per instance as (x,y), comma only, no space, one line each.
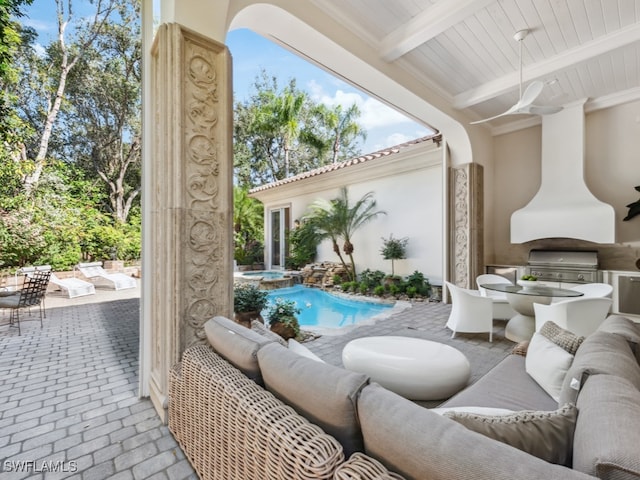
(251,53)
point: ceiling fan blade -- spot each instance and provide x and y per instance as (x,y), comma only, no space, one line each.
(512,110)
(543,110)
(534,89)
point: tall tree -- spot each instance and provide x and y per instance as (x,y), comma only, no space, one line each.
(11,37)
(337,131)
(61,59)
(105,95)
(282,132)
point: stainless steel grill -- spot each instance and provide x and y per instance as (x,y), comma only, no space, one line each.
(571,266)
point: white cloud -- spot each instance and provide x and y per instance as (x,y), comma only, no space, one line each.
(374,114)
(40,26)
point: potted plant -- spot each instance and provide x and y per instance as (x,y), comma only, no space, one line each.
(282,319)
(248,302)
(394,249)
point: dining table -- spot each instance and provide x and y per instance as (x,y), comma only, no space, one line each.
(521,298)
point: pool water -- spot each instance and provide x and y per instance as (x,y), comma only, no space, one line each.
(266,274)
(320,309)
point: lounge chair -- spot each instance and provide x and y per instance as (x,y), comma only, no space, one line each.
(74,287)
(94,272)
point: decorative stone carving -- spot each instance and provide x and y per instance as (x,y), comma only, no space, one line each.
(466,219)
(192,195)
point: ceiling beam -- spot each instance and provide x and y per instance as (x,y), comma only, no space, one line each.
(428,24)
(548,67)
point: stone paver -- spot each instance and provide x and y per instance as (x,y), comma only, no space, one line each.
(68,395)
(68,391)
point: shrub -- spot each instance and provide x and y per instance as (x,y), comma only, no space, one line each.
(363,287)
(372,278)
(248,298)
(379,290)
(418,280)
(394,289)
(284,311)
(411,291)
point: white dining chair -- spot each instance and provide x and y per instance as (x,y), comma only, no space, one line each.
(501,308)
(581,316)
(470,312)
(594,290)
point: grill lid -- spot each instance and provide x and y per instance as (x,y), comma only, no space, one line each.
(585,259)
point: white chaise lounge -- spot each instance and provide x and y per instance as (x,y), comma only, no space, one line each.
(74,287)
(94,272)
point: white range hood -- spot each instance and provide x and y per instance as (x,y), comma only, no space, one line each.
(564,207)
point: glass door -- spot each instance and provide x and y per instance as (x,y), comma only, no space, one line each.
(278,245)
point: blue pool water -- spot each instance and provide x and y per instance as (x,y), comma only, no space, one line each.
(266,274)
(322,310)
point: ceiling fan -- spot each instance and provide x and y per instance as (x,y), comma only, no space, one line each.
(525,103)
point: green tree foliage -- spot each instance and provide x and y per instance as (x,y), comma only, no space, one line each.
(394,249)
(339,218)
(84,203)
(280,132)
(105,93)
(303,243)
(11,36)
(248,230)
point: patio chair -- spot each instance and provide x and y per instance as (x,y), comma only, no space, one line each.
(501,308)
(31,294)
(74,287)
(581,315)
(94,272)
(470,312)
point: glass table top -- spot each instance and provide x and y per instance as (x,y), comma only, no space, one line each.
(541,290)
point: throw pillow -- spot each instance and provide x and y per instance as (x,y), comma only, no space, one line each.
(300,349)
(521,348)
(561,337)
(546,435)
(547,364)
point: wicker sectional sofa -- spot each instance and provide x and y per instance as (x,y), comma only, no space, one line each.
(246,407)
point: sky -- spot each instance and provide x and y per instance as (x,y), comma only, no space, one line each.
(252,53)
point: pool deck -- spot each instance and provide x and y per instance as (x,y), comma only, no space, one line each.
(68,390)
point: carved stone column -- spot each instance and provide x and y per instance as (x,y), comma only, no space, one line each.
(192,198)
(466,213)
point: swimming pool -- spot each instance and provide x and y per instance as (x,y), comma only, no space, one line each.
(322,310)
(266,274)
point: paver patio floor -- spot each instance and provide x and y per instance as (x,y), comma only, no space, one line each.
(68,391)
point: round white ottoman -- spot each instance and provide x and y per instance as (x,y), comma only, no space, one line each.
(412,367)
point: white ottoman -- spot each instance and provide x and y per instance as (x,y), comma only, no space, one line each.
(412,367)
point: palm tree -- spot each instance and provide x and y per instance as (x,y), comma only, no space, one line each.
(351,218)
(338,218)
(321,214)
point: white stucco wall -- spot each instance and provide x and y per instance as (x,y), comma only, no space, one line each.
(411,195)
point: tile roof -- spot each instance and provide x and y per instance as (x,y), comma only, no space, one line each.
(436,138)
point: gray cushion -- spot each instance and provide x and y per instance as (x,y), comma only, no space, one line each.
(607,436)
(506,385)
(237,344)
(260,328)
(325,394)
(626,328)
(420,444)
(621,326)
(547,435)
(601,352)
